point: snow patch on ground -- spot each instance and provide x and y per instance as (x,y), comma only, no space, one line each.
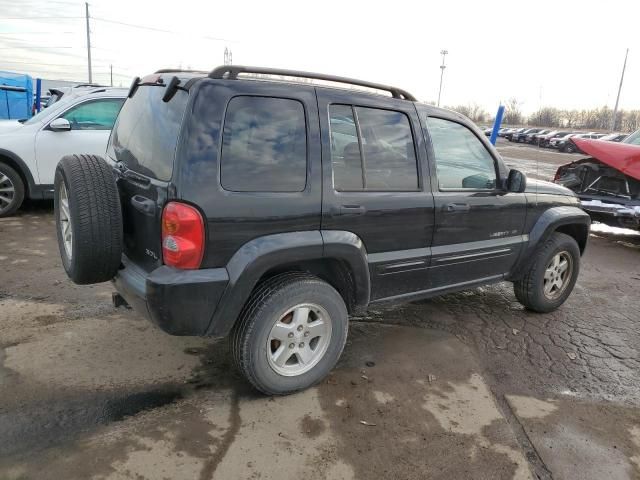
(602,228)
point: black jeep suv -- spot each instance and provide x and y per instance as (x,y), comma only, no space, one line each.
(243,203)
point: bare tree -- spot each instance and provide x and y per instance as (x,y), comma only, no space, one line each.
(546,117)
(472,111)
(512,112)
(569,118)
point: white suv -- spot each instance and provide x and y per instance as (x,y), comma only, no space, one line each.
(30,150)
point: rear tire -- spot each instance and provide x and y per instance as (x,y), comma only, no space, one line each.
(552,275)
(311,318)
(11,190)
(88,218)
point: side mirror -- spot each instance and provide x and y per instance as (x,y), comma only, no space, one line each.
(516,181)
(60,125)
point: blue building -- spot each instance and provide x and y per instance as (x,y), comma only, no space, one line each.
(16,95)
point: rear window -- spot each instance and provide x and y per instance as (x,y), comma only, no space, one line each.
(145,134)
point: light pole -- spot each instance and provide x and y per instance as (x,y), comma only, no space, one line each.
(442,67)
(615,109)
(86,6)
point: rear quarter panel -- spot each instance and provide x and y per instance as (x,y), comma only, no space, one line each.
(235,218)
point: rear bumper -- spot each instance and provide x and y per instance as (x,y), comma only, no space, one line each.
(180,302)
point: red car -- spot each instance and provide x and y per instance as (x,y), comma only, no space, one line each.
(608,181)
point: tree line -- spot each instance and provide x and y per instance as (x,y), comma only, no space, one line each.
(591,119)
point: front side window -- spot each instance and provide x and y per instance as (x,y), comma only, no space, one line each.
(372,149)
(94,115)
(264,146)
(462,161)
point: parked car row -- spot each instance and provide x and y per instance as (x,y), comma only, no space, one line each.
(558,139)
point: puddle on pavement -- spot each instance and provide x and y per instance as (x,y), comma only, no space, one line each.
(57,421)
(44,416)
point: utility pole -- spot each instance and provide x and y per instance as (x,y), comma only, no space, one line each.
(228,56)
(86,5)
(111,73)
(615,109)
(442,67)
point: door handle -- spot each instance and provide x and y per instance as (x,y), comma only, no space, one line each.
(457,207)
(143,205)
(352,210)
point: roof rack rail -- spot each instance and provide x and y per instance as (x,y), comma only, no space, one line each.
(178,70)
(231,72)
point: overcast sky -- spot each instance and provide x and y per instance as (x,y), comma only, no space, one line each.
(566,54)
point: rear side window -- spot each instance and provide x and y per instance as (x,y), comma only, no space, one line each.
(146,132)
(264,145)
(372,149)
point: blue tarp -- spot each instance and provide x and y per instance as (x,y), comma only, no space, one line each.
(16,95)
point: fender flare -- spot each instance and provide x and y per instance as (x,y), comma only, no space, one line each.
(548,223)
(23,170)
(349,248)
(256,257)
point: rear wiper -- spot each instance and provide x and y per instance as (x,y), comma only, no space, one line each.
(156,80)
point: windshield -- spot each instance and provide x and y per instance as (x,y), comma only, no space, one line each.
(633,139)
(611,136)
(45,112)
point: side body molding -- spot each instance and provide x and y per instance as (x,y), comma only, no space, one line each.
(547,223)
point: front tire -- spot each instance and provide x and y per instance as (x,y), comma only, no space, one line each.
(552,275)
(11,190)
(290,333)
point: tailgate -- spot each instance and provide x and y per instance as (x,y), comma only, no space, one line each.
(143,145)
(142,201)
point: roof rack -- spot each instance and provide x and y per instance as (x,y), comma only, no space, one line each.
(231,72)
(178,70)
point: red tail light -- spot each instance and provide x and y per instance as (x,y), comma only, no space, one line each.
(182,236)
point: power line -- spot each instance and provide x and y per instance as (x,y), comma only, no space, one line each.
(38,18)
(40,63)
(27,47)
(2,34)
(155,29)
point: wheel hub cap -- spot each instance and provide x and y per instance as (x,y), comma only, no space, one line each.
(66,228)
(557,275)
(299,339)
(7,191)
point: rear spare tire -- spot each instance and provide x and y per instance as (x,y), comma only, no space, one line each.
(88,218)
